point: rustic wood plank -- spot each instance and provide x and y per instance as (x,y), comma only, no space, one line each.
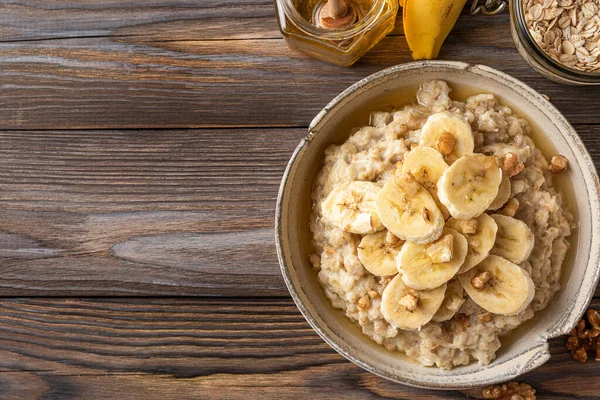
(154,20)
(148,212)
(203,348)
(162,20)
(163,212)
(135,81)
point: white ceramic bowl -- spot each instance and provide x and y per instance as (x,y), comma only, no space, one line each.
(527,348)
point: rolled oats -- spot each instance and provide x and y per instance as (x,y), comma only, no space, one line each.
(568,31)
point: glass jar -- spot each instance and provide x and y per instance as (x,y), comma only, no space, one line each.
(537,58)
(344,46)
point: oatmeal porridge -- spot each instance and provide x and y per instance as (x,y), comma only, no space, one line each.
(437,227)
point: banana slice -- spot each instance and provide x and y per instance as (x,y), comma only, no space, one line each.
(409,309)
(449,134)
(453,301)
(499,286)
(351,206)
(377,255)
(431,265)
(504,192)
(481,236)
(514,240)
(407,210)
(470,185)
(426,165)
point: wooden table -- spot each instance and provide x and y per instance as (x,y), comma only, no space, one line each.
(141,148)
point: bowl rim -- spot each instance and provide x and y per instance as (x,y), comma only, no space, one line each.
(538,353)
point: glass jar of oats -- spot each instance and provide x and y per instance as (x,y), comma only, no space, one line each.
(560,39)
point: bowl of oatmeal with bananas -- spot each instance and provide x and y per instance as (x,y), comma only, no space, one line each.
(436,226)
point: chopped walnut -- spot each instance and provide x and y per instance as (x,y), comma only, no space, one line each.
(426,215)
(510,391)
(579,354)
(585,337)
(441,251)
(511,207)
(461,323)
(490,162)
(486,317)
(475,243)
(363,303)
(392,240)
(315,261)
(573,342)
(398,168)
(511,165)
(408,183)
(558,164)
(384,280)
(445,143)
(468,226)
(409,302)
(480,281)
(594,320)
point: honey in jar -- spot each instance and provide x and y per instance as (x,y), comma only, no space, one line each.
(335,31)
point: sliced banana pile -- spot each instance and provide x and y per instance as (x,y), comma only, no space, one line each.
(427,224)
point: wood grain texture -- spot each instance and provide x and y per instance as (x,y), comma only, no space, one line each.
(150,20)
(203,348)
(144,212)
(188,77)
(163,212)
(144,19)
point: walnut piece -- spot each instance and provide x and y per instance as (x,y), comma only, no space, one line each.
(558,164)
(445,143)
(594,320)
(441,251)
(393,240)
(468,227)
(461,323)
(511,207)
(315,261)
(364,302)
(585,337)
(510,391)
(487,317)
(409,302)
(511,165)
(408,183)
(480,281)
(579,355)
(398,168)
(426,215)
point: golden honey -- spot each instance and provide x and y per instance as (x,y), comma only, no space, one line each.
(298,22)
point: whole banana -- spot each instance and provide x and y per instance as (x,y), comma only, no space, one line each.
(427,23)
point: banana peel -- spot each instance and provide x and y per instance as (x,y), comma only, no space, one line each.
(427,23)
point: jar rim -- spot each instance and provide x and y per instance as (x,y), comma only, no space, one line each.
(541,56)
(339,34)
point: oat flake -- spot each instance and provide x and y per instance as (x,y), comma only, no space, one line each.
(567,30)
